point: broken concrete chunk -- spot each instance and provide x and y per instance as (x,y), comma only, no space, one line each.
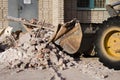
(31,50)
(26,45)
(53,58)
(24,39)
(60,62)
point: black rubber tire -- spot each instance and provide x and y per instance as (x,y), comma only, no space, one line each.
(112,24)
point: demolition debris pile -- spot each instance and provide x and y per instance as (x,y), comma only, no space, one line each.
(35,50)
(32,51)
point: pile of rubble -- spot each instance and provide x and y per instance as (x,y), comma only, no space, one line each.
(32,50)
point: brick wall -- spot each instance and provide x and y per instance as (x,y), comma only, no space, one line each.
(51,11)
(59,11)
(85,16)
(3,13)
(45,10)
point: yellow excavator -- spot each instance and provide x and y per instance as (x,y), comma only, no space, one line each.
(107,38)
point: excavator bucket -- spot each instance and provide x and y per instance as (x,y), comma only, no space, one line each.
(71,41)
(70,36)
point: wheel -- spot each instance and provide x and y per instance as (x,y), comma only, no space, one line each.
(108,44)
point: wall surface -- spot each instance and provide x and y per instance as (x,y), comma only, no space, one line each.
(18,9)
(3,13)
(45,10)
(85,16)
(52,11)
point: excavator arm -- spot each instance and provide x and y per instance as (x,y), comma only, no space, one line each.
(110,8)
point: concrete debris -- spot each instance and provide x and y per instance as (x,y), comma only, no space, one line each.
(6,39)
(6,32)
(32,51)
(94,68)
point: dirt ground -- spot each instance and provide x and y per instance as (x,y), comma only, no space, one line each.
(88,69)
